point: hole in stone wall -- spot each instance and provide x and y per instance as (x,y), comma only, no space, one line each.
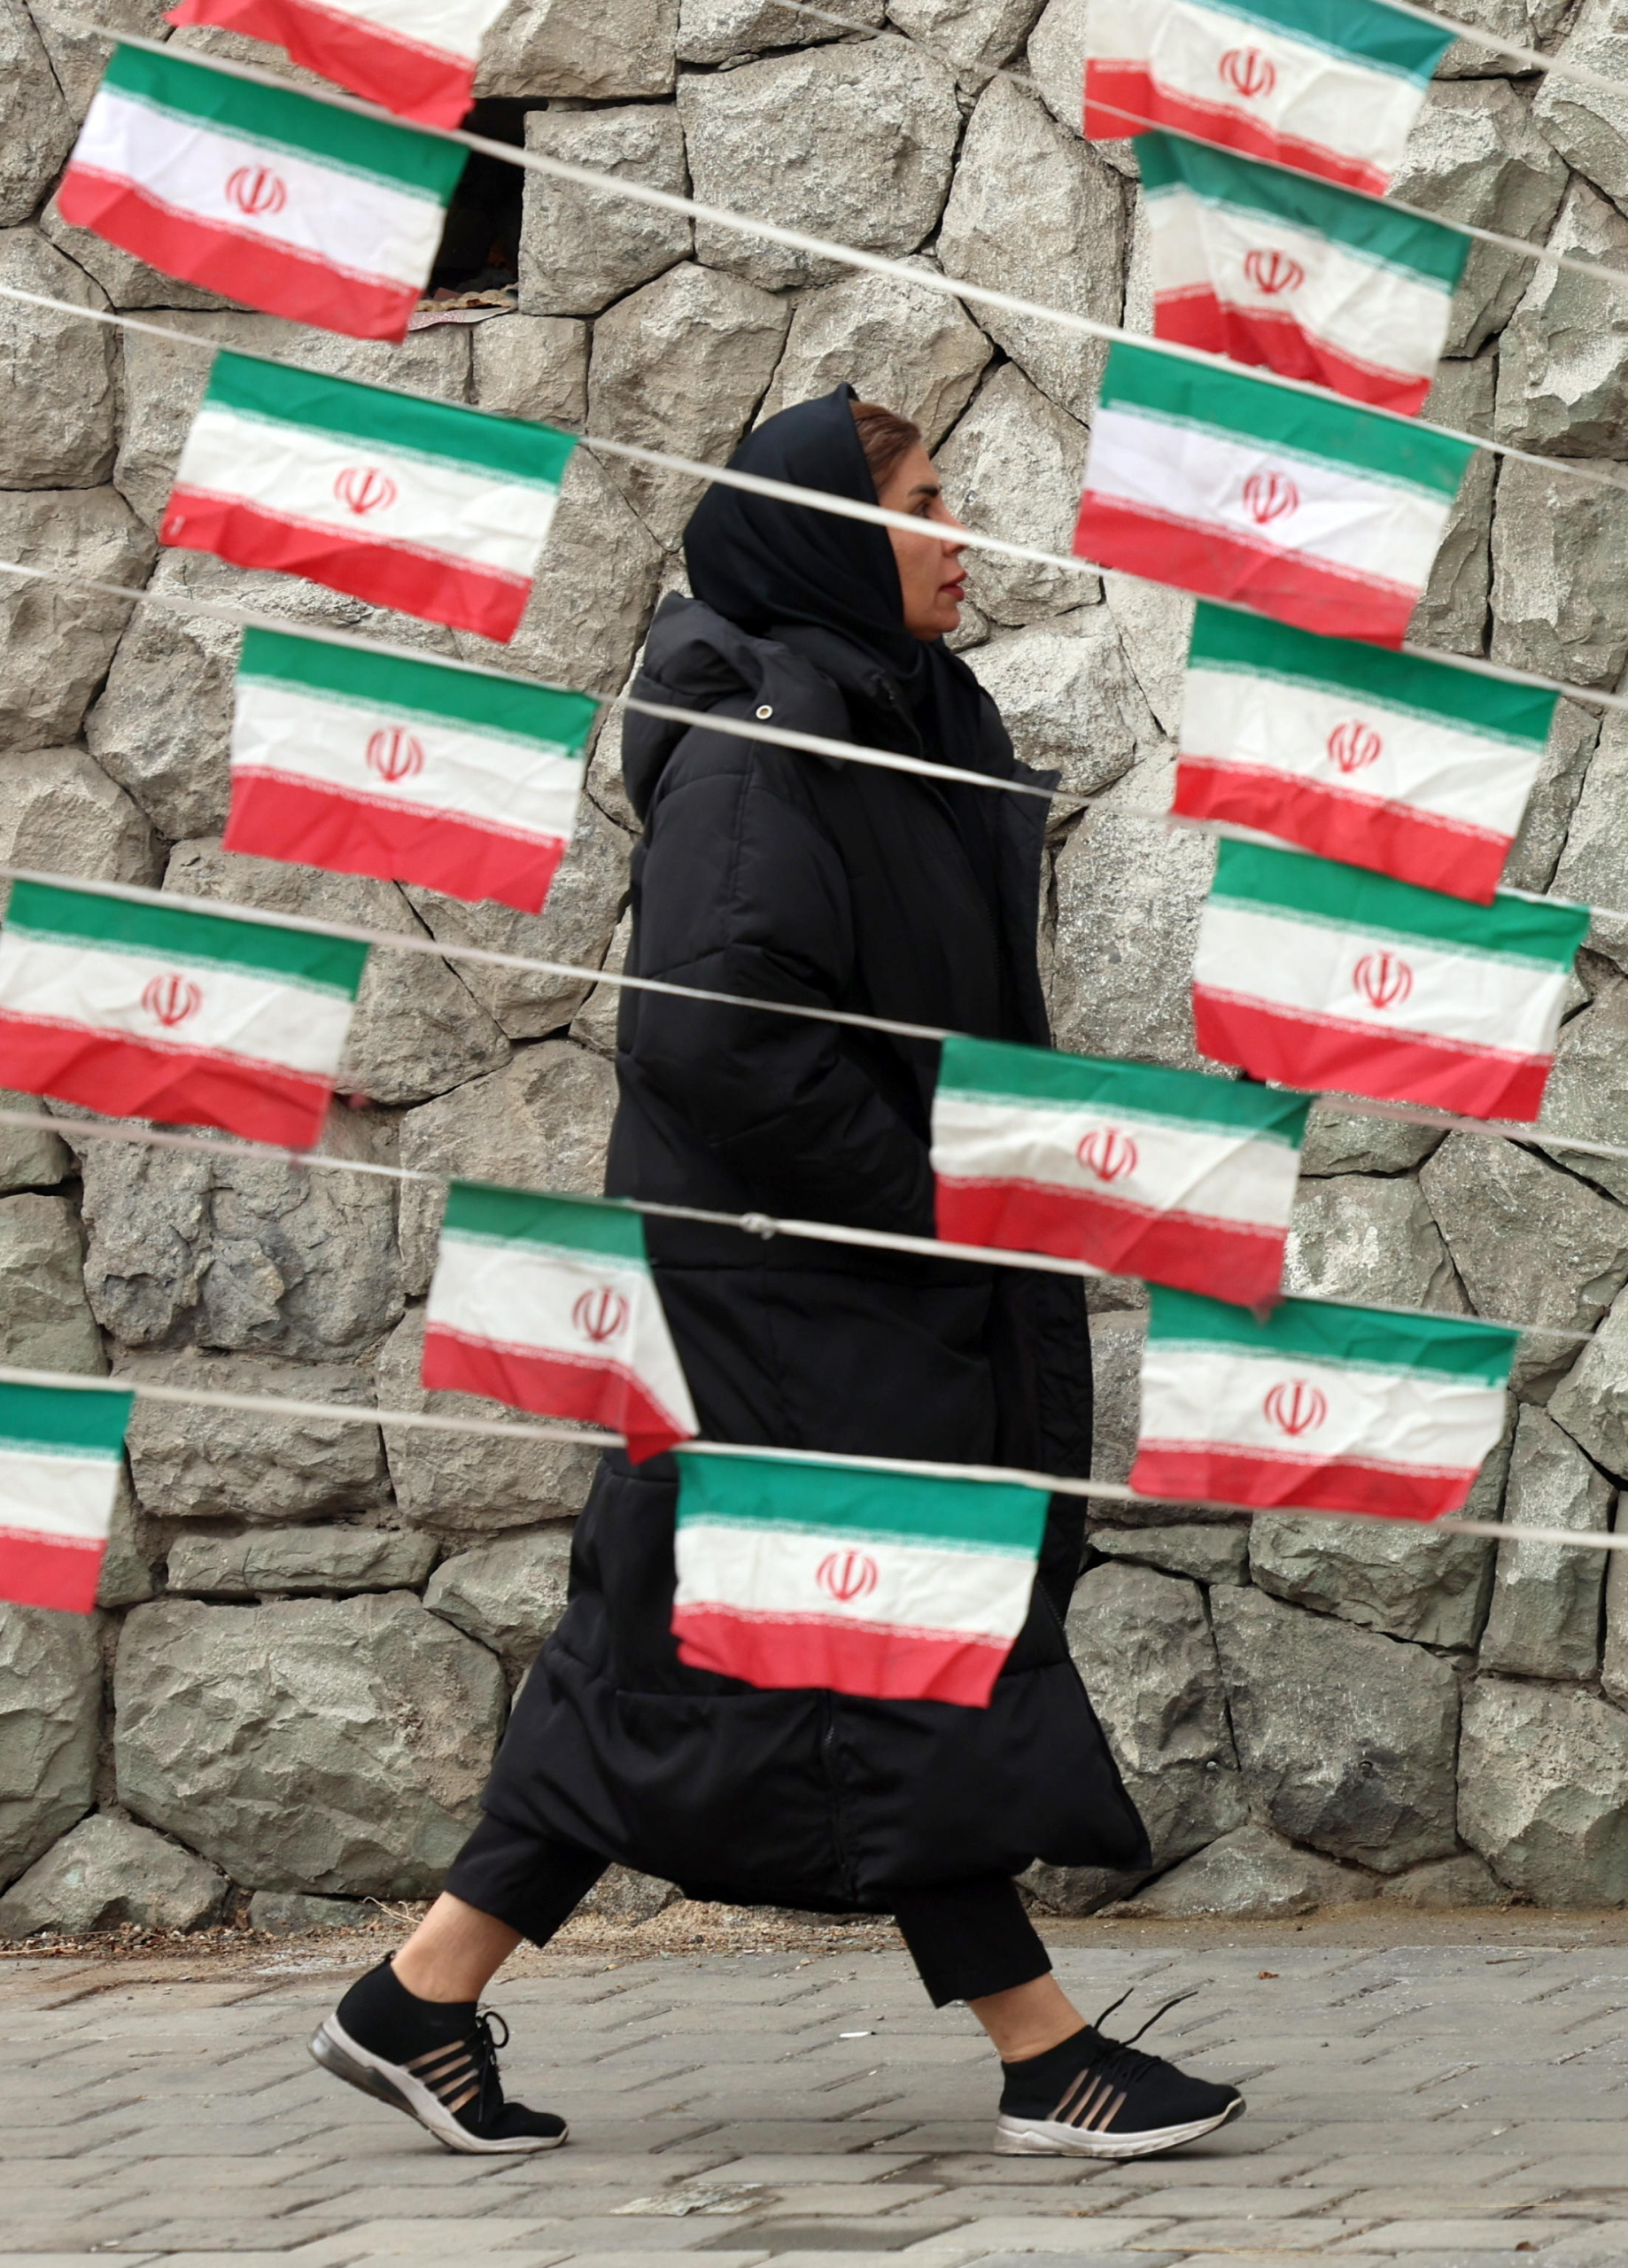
(480,245)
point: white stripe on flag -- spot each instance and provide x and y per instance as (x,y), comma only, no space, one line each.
(903,1585)
(42,1493)
(352,221)
(453,26)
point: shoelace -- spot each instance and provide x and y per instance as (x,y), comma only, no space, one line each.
(1124,2063)
(485,2048)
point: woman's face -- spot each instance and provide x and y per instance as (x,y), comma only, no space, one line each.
(932,579)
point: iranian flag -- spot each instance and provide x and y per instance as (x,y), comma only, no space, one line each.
(282,203)
(1343,980)
(1316,282)
(1314,511)
(1172,1176)
(436,510)
(1330,89)
(1408,767)
(368,764)
(61,1452)
(415,56)
(140,1011)
(1325,1408)
(547,1303)
(900,1586)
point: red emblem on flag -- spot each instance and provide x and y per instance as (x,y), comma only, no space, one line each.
(1248,71)
(1384,980)
(1108,1153)
(1354,747)
(1268,495)
(1272,272)
(172,999)
(1296,1408)
(601,1315)
(256,190)
(394,755)
(848,1575)
(364,488)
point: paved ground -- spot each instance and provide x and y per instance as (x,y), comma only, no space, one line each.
(1446,2103)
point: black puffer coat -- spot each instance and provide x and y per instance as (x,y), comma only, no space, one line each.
(772,872)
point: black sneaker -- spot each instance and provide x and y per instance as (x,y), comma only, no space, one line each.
(1093,2097)
(437,2060)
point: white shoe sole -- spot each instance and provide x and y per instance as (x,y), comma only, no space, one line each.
(338,2053)
(1050,2137)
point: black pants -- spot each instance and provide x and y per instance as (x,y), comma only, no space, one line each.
(967,1938)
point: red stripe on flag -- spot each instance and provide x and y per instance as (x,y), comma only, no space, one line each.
(1229,1260)
(777,1652)
(1392,838)
(432,584)
(1234,1476)
(1274,340)
(552,1384)
(1122,97)
(128,1078)
(1289,585)
(1307,1051)
(275,817)
(236,261)
(49,1570)
(403,75)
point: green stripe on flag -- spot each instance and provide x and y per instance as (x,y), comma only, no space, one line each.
(1364,443)
(64,1421)
(402,423)
(1545,934)
(993,1070)
(495,1215)
(1362,31)
(1364,226)
(766,1492)
(70,917)
(278,118)
(1360,1337)
(497,705)
(1249,644)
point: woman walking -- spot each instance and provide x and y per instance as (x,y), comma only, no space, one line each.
(778,875)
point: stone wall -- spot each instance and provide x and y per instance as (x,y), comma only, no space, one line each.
(309,1631)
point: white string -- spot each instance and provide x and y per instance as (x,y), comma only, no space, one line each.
(1113,1492)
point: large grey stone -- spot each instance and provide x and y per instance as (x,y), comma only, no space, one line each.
(1129,898)
(1057,56)
(595,1023)
(1589,128)
(727,31)
(50,1713)
(681,366)
(1587,1091)
(417,1030)
(602,48)
(1528,23)
(509,1594)
(1250,1872)
(311,1744)
(1451,610)
(1544,1617)
(1591,1402)
(129,1559)
(1558,543)
(247,1255)
(108,1874)
(1209,1554)
(45,1321)
(1348,1738)
(296,1560)
(1593,865)
(289,1914)
(1036,212)
(1013,468)
(1155,625)
(542,1123)
(1460,1883)
(1356,1237)
(1476,155)
(1550,807)
(915,351)
(29,1157)
(58,390)
(1068,697)
(976,35)
(850,141)
(581,248)
(1560,379)
(465,1484)
(56,643)
(193,1461)
(1543,1790)
(532,366)
(60,814)
(1338,1142)
(36,130)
